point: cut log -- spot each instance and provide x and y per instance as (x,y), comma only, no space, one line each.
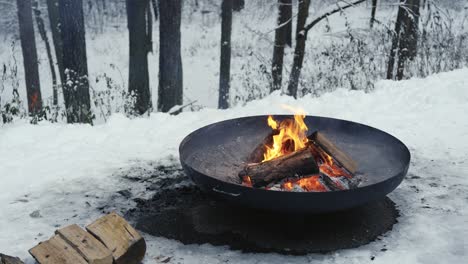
(258,152)
(126,244)
(338,183)
(5,259)
(295,164)
(56,251)
(93,251)
(331,149)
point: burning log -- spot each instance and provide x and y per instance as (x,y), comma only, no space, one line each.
(331,149)
(296,164)
(260,149)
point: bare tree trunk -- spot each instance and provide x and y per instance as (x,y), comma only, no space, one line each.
(301,36)
(54,20)
(43,34)
(155,9)
(170,90)
(238,5)
(76,86)
(395,45)
(28,46)
(139,46)
(287,11)
(409,40)
(225,58)
(281,36)
(404,43)
(374,8)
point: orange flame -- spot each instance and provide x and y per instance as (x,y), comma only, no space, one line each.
(291,136)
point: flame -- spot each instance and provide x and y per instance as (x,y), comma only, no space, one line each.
(291,136)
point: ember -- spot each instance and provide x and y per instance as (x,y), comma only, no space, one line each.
(293,161)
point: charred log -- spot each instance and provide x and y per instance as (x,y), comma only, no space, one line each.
(331,149)
(339,183)
(258,152)
(293,165)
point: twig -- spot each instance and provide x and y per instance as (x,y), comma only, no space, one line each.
(179,110)
(320,18)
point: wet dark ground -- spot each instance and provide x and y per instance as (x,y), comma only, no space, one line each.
(181,211)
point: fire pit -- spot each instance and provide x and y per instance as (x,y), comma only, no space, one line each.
(215,156)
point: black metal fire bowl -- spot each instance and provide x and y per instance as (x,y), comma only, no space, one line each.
(213,155)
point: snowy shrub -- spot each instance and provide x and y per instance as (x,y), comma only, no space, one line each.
(109,96)
(11,106)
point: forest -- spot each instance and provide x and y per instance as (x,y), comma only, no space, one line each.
(82,61)
(233,131)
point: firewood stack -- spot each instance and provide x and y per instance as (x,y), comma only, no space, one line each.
(109,239)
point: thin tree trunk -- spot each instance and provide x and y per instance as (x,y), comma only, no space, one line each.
(301,36)
(170,90)
(76,86)
(155,9)
(225,58)
(54,21)
(404,43)
(395,44)
(238,5)
(281,35)
(139,46)
(43,34)
(28,46)
(287,11)
(409,39)
(374,8)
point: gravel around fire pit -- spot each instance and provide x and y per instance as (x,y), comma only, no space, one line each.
(184,213)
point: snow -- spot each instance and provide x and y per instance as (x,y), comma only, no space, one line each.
(53,175)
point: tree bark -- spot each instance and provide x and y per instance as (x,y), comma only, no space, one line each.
(405,40)
(301,36)
(238,5)
(170,89)
(296,164)
(76,86)
(54,21)
(139,46)
(287,11)
(43,34)
(374,8)
(225,58)
(282,32)
(155,9)
(28,46)
(409,37)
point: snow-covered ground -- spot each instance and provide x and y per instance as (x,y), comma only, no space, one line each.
(57,174)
